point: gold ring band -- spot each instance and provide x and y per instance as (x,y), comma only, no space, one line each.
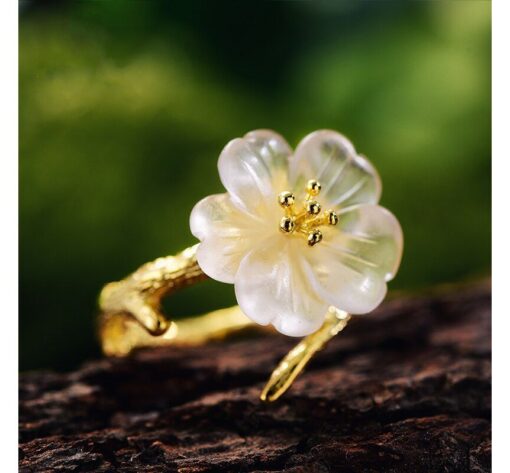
(130,317)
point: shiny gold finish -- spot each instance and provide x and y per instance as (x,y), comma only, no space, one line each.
(286,199)
(306,220)
(289,368)
(332,217)
(313,207)
(287,225)
(131,309)
(314,237)
(313,187)
(131,318)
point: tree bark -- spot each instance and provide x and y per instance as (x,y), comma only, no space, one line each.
(406,389)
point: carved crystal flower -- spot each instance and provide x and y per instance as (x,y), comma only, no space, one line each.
(297,233)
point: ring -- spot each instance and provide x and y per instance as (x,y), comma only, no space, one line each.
(299,234)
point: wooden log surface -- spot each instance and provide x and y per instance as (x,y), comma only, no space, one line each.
(406,389)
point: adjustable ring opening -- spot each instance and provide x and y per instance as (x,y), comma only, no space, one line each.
(131,314)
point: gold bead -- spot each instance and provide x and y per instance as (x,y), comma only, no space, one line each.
(313,187)
(314,237)
(287,225)
(332,217)
(313,207)
(286,199)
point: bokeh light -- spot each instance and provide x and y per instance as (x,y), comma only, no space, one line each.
(125,107)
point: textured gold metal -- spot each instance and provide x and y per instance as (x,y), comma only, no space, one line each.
(130,317)
(294,362)
(131,314)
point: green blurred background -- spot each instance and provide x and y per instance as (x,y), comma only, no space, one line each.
(125,106)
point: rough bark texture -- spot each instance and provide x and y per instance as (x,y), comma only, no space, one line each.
(406,389)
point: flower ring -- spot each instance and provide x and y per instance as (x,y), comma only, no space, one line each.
(301,237)
(297,233)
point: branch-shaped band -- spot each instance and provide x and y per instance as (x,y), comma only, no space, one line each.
(131,318)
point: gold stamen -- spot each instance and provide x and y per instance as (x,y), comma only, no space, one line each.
(313,187)
(313,207)
(332,217)
(314,237)
(286,199)
(287,225)
(316,221)
(306,219)
(301,217)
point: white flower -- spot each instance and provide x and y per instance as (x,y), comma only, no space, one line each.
(298,233)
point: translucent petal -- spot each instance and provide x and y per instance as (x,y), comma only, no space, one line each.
(374,234)
(254,170)
(356,258)
(226,235)
(273,286)
(346,178)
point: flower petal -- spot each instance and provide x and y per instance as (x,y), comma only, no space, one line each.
(355,259)
(254,170)
(226,235)
(273,286)
(346,178)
